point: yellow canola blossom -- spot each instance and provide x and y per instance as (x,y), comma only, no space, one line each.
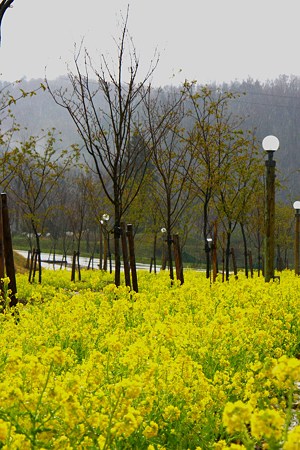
(287,370)
(293,439)
(267,424)
(151,430)
(88,365)
(236,416)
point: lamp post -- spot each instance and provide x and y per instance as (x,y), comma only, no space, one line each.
(163,258)
(104,222)
(270,145)
(101,245)
(296,206)
(208,266)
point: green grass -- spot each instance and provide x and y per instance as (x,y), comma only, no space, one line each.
(20,263)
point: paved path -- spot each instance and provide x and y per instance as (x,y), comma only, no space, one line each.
(84,261)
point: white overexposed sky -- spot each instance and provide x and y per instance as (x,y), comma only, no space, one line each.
(203,40)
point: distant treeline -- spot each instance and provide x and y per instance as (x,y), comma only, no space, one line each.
(272,107)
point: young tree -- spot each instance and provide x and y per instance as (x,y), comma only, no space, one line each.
(10,95)
(8,127)
(58,224)
(106,112)
(254,226)
(171,162)
(284,230)
(242,170)
(81,209)
(207,139)
(37,169)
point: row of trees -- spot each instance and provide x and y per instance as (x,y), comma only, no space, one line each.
(139,132)
(172,158)
(272,107)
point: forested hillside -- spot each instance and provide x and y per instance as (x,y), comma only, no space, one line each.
(274,108)
(268,108)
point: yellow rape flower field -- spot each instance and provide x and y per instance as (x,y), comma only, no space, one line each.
(86,365)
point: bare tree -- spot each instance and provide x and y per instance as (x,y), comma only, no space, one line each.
(107,113)
(4,5)
(207,140)
(237,188)
(38,168)
(171,162)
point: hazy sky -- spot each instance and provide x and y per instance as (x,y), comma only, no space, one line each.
(205,40)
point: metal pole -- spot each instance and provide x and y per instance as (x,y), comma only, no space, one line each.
(214,253)
(207,253)
(297,242)
(100,245)
(105,251)
(270,217)
(209,264)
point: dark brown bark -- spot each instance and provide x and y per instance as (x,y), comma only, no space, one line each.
(234,263)
(125,255)
(132,257)
(214,253)
(245,249)
(8,251)
(178,258)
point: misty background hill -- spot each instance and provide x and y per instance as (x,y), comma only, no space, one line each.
(271,107)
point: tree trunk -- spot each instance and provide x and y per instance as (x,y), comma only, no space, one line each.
(38,249)
(8,251)
(227,254)
(132,258)
(170,257)
(126,264)
(178,258)
(245,249)
(117,254)
(259,257)
(214,252)
(205,235)
(154,251)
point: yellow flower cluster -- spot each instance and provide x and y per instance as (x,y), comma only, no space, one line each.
(87,365)
(236,416)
